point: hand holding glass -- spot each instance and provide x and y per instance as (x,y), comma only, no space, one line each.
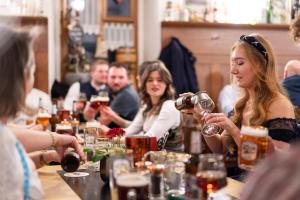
(204,106)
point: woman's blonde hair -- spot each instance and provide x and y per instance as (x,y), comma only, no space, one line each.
(266,84)
(165,75)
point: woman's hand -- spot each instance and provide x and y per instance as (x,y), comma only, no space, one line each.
(50,156)
(65,141)
(221,120)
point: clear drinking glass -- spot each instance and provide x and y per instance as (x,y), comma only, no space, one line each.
(104,98)
(81,102)
(204,106)
(211,174)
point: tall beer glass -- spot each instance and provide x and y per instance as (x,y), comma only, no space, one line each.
(43,119)
(132,186)
(64,128)
(139,144)
(211,175)
(253,146)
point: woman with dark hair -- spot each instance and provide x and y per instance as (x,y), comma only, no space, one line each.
(19,179)
(158,116)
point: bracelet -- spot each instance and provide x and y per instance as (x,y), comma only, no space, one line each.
(54,141)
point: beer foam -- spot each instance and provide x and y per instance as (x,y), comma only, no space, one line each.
(99,98)
(93,124)
(132,180)
(254,131)
(44,115)
(63,126)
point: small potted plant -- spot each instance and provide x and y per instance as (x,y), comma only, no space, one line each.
(103,155)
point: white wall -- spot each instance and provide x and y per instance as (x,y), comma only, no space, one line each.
(52,8)
(149,29)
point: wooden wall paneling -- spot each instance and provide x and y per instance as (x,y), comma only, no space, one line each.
(211,45)
(40,46)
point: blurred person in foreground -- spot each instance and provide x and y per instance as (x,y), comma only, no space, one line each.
(123,99)
(19,179)
(277,178)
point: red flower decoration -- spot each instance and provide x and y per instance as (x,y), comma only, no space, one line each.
(115,132)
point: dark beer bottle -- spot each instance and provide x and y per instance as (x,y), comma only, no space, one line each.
(54,118)
(70,162)
(191,187)
(75,113)
(186,102)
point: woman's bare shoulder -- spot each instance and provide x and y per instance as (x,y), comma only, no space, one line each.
(281,107)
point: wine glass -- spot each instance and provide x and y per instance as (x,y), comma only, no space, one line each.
(211,174)
(204,106)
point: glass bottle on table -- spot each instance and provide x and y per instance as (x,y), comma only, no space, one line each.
(54,118)
(70,161)
(75,112)
(191,188)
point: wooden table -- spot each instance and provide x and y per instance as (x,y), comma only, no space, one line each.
(56,188)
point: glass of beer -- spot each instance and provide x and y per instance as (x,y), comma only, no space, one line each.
(211,174)
(104,98)
(91,133)
(43,119)
(95,101)
(132,186)
(253,146)
(64,128)
(140,145)
(63,114)
(153,144)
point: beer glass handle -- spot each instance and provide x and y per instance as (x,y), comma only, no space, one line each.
(131,195)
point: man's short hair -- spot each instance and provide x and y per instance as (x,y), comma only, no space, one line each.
(121,65)
(98,62)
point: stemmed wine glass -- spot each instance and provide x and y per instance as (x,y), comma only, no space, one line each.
(204,106)
(211,174)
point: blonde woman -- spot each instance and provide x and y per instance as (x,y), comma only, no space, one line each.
(263,102)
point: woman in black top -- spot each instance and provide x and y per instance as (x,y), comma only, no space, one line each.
(263,102)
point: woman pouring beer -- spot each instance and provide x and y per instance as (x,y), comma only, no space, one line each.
(263,102)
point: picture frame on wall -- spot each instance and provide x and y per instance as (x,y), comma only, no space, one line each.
(119,10)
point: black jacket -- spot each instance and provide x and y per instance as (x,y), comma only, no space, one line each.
(180,61)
